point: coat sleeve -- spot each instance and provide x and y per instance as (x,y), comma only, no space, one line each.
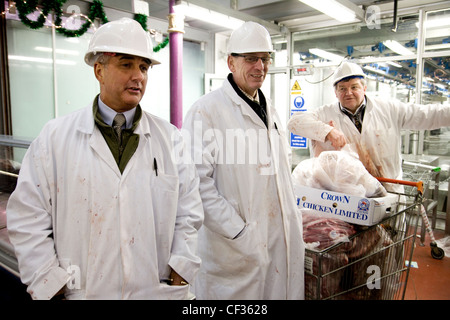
(422,117)
(30,230)
(220,216)
(308,124)
(184,259)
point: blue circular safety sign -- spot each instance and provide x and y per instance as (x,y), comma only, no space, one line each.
(299,102)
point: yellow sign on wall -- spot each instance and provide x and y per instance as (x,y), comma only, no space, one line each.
(297,105)
(296,89)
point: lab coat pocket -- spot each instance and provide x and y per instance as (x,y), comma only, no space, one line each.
(165,199)
(239,256)
(165,182)
(164,193)
(174,292)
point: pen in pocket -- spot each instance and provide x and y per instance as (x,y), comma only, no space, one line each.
(155,166)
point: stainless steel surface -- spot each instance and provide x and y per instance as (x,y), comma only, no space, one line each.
(11,141)
(7,257)
(8,176)
(422,159)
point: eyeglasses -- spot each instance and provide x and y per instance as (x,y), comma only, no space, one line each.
(254,59)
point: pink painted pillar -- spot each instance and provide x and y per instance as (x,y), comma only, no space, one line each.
(176,30)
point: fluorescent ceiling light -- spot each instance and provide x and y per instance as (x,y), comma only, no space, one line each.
(59,51)
(41,60)
(397,48)
(327,55)
(332,9)
(370,68)
(203,14)
(436,23)
(437,46)
(394,64)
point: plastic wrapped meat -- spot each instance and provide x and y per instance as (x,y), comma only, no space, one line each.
(321,232)
(338,171)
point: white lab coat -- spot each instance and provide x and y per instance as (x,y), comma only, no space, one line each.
(379,143)
(73,212)
(245,184)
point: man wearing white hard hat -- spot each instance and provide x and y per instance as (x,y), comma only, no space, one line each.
(251,242)
(370,126)
(101,210)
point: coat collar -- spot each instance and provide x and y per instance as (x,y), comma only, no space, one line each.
(87,123)
(243,106)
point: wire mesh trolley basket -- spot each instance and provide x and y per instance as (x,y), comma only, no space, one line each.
(430,176)
(371,265)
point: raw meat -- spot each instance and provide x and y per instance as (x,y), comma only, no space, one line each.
(323,232)
(344,267)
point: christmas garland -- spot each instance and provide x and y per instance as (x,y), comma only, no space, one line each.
(96,11)
(142,19)
(27,7)
(161,45)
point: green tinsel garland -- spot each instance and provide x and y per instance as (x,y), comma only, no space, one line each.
(142,19)
(162,45)
(96,11)
(27,7)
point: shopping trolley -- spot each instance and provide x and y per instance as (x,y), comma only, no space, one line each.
(428,174)
(373,264)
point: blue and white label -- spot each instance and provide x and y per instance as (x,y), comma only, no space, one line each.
(299,102)
(363,206)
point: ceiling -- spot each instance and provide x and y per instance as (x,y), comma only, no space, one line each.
(312,29)
(276,14)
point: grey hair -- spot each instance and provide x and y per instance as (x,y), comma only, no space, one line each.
(101,58)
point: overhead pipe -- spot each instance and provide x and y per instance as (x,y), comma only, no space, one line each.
(421,36)
(395,22)
(176,30)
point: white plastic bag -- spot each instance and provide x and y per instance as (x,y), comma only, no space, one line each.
(339,171)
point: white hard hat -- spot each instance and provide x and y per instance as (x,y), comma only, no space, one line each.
(346,70)
(250,37)
(121,36)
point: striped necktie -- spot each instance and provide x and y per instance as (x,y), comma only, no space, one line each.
(118,122)
(357,120)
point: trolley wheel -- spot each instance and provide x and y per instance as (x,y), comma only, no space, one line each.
(436,252)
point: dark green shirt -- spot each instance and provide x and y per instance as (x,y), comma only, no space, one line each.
(130,140)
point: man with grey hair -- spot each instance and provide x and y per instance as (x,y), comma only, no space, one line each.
(101,209)
(251,242)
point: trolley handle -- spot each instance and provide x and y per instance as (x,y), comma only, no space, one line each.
(418,184)
(423,166)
